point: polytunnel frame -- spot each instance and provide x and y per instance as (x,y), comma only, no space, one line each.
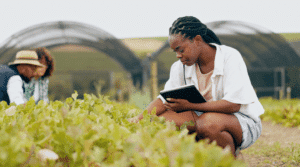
(277,48)
(262,50)
(58,33)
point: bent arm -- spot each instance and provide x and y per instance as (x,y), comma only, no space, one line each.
(220,106)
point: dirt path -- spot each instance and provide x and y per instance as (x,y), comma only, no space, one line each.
(277,133)
(270,135)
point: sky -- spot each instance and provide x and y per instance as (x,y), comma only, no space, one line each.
(139,18)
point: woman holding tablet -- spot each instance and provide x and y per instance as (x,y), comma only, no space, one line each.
(230,115)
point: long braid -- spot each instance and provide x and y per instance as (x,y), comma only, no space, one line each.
(190,26)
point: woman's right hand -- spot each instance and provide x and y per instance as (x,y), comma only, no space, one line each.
(177,105)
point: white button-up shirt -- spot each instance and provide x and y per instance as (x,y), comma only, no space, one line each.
(230,81)
(15,90)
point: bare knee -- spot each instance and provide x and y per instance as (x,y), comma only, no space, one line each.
(213,127)
(206,126)
(179,118)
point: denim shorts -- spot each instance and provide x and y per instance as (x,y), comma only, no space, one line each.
(251,129)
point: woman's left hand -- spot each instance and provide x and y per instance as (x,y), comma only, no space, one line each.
(177,105)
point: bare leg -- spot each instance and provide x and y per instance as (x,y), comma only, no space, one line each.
(180,118)
(225,129)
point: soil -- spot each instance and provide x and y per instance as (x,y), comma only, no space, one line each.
(272,133)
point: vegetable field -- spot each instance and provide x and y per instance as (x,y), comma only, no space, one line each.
(279,143)
(94,131)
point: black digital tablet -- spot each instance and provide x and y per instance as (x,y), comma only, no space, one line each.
(188,92)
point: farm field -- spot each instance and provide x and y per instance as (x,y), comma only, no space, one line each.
(78,68)
(291,37)
(73,61)
(94,131)
(279,144)
(70,59)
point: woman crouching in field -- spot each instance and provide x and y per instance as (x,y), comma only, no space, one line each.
(231,114)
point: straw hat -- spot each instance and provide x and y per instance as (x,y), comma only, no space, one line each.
(27,57)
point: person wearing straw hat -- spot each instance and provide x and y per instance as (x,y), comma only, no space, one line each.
(12,76)
(38,86)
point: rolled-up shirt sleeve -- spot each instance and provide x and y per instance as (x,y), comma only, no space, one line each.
(237,85)
(15,90)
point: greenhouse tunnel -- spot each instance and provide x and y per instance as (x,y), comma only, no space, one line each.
(54,34)
(272,64)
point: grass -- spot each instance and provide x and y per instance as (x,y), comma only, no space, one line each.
(87,60)
(76,61)
(162,39)
(79,70)
(284,111)
(291,37)
(288,36)
(274,155)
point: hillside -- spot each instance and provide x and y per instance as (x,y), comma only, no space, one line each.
(143,46)
(291,37)
(150,44)
(80,58)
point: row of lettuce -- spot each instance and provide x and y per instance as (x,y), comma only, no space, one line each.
(285,112)
(94,131)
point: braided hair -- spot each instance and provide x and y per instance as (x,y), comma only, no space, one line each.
(190,27)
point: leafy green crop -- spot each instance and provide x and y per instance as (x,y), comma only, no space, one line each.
(285,112)
(95,132)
